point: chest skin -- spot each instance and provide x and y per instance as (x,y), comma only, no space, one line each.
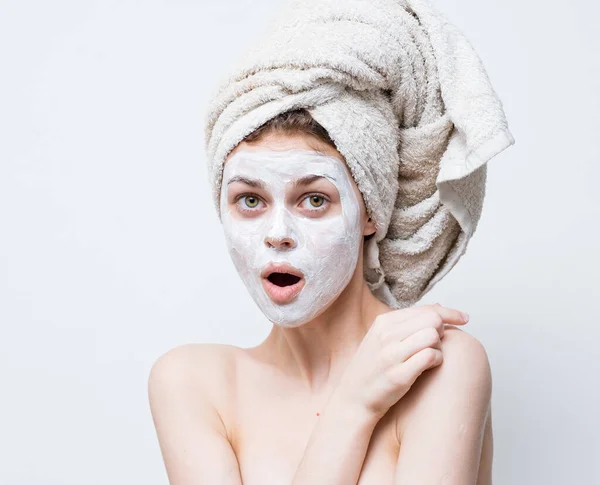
(270,420)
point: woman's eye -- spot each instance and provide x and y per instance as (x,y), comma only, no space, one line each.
(316,200)
(318,203)
(247,202)
(251,201)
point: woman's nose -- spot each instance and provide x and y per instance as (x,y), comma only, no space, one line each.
(281,234)
(280,242)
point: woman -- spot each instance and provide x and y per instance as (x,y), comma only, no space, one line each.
(310,404)
(338,218)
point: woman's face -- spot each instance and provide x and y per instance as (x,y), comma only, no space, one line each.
(287,209)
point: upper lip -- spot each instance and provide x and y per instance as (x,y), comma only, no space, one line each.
(281,268)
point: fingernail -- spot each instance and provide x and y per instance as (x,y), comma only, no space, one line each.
(465,316)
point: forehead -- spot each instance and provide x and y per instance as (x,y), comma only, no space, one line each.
(283,166)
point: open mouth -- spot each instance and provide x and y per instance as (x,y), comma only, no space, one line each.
(282,287)
(283,279)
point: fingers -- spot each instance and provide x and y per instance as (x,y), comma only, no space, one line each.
(402,323)
(424,338)
(399,351)
(408,372)
(449,315)
(423,360)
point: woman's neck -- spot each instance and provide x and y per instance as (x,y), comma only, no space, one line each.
(317,352)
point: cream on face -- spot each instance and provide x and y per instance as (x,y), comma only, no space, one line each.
(277,222)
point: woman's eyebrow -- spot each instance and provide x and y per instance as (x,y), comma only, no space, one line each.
(301,182)
(247,181)
(309,179)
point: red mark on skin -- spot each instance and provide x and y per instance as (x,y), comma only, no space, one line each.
(317,414)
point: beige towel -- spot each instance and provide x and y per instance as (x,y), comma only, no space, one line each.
(409,105)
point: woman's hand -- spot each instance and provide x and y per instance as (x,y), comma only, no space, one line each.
(397,349)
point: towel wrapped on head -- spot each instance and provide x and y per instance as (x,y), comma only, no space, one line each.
(409,105)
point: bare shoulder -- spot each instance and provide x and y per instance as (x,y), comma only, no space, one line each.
(465,369)
(204,367)
(188,389)
(465,357)
(191,360)
(200,376)
(190,355)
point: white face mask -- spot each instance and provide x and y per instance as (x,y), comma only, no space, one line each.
(280,224)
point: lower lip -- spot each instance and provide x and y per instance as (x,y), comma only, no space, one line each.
(282,294)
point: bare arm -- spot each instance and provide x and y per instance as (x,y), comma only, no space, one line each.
(191,435)
(398,348)
(443,433)
(487,453)
(337,446)
(193,439)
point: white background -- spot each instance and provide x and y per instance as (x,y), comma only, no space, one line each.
(111,252)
